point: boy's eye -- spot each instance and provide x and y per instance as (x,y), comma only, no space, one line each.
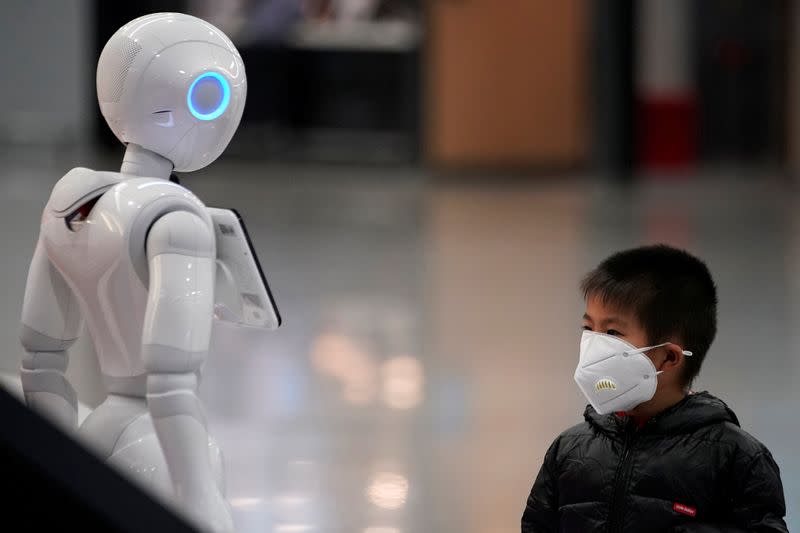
(587,328)
(613,332)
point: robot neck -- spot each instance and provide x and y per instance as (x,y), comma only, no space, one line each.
(142,162)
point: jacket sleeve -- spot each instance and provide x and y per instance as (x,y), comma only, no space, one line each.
(541,510)
(757,500)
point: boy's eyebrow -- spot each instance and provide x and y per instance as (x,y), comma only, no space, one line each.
(616,321)
(607,321)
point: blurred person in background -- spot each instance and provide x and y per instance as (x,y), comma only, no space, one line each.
(271,20)
(252,21)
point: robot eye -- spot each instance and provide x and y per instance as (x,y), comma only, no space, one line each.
(208,96)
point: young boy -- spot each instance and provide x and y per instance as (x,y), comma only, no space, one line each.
(652,456)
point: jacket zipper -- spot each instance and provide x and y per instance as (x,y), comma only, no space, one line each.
(621,480)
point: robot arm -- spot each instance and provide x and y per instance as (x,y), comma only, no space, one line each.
(177,330)
(51,323)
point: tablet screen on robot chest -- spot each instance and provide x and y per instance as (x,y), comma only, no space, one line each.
(242,288)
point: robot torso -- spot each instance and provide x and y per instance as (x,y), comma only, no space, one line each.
(94,230)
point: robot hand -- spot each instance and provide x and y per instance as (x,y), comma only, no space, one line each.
(180,425)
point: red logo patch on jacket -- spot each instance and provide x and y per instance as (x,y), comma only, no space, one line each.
(684,509)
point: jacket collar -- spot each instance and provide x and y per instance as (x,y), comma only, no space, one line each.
(695,411)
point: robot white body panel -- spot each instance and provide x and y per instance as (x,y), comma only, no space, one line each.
(105,263)
(135,256)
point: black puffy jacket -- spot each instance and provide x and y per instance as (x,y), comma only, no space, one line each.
(689,469)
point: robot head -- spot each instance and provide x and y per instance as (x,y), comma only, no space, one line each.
(173,84)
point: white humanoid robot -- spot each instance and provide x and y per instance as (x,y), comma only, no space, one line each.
(147,265)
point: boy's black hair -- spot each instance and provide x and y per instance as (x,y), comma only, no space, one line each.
(670,291)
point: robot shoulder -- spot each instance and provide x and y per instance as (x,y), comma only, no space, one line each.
(78,186)
(140,203)
(180,232)
(143,191)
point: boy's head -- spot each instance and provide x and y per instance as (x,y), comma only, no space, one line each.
(652,295)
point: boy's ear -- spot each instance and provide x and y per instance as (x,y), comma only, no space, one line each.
(673,356)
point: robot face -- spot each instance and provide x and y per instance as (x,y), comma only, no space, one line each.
(175,85)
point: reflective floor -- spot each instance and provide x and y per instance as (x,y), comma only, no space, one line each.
(431,330)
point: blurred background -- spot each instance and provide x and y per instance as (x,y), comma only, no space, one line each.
(426,183)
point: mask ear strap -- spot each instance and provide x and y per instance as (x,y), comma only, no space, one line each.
(648,348)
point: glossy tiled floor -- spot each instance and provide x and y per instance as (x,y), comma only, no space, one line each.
(431,331)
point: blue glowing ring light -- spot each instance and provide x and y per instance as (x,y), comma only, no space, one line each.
(221,105)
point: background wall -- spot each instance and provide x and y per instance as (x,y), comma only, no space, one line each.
(48,72)
(507,86)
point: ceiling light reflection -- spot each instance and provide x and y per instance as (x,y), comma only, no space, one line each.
(343,358)
(403,379)
(292,528)
(388,490)
(245,502)
(291,500)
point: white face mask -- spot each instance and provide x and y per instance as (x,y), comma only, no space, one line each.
(613,374)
